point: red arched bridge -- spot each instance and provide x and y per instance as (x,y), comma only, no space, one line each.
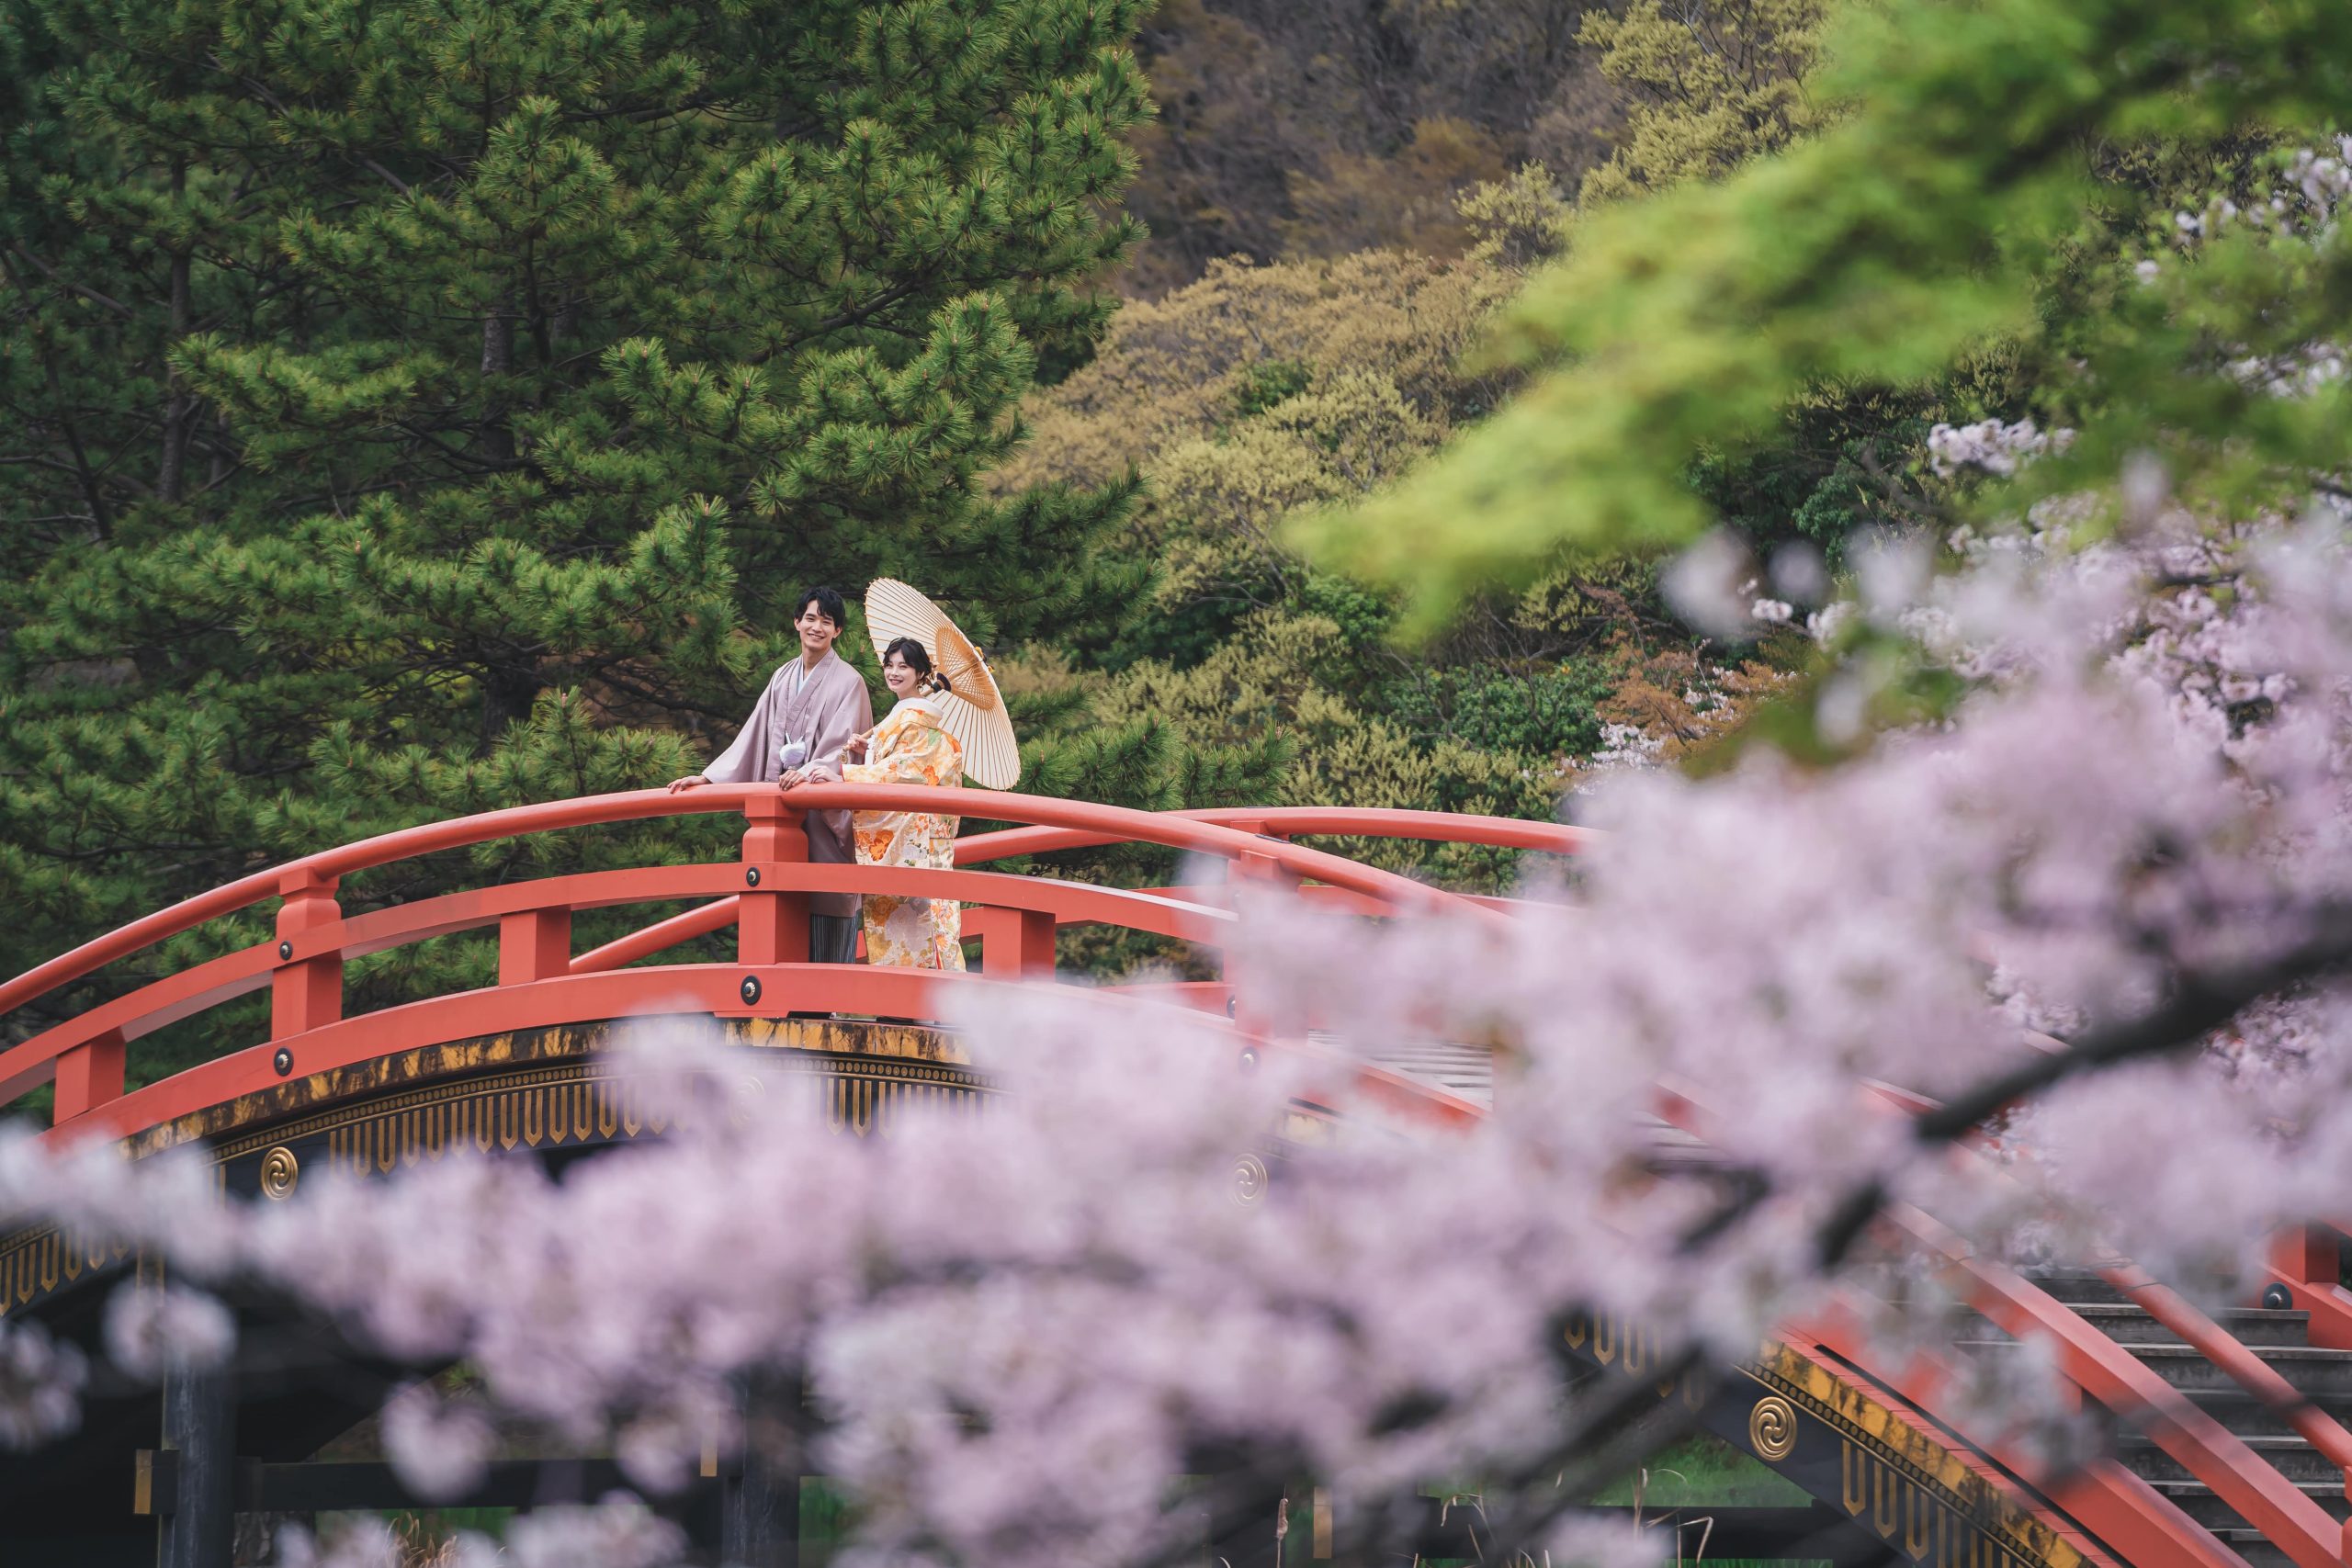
(2229,1448)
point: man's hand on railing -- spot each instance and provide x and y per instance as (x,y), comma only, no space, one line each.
(692,781)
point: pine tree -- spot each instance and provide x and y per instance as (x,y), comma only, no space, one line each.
(430,405)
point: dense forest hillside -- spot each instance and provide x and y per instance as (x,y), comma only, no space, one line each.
(1322,127)
(1329,126)
(1360,232)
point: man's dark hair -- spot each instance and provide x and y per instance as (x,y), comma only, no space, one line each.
(829,604)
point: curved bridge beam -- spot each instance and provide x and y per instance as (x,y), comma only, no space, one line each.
(85,1056)
(1116,823)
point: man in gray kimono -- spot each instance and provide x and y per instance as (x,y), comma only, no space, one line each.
(811,709)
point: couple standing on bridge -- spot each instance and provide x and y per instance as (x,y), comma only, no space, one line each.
(815,725)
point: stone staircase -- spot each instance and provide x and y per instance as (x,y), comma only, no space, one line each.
(1464,1071)
(2280,1338)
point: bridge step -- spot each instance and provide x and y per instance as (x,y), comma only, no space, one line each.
(2257,1552)
(2197,1500)
(2291,1456)
(2080,1287)
(2319,1375)
(2249,1417)
(1464,1071)
(2249,1326)
(2280,1338)
(2314,1373)
(2323,1377)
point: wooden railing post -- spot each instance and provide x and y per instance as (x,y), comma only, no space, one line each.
(772,926)
(1263,871)
(1019,945)
(2310,1258)
(307,989)
(534,945)
(759,1494)
(199,1447)
(88,1076)
(2309,1254)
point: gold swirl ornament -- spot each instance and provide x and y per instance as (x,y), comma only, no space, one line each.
(1772,1427)
(1249,1179)
(280,1171)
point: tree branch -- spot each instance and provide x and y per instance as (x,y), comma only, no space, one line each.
(50,273)
(2201,1004)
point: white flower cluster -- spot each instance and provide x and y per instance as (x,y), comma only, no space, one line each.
(2302,207)
(1989,446)
(148,1330)
(41,1387)
(1714,585)
(2311,370)
(1627,747)
(2325,179)
(619,1532)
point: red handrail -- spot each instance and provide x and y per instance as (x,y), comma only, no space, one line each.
(1171,831)
(174,997)
(85,1055)
(2180,1317)
(1298,822)
(1271,821)
(2115,1378)
(2129,1515)
(698,990)
(2308,1262)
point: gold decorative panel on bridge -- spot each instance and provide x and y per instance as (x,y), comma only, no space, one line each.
(40,1260)
(541,1091)
(1851,1447)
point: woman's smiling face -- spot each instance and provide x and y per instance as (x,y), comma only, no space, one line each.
(899,675)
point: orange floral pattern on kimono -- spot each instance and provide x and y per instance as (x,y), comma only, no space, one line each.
(909,747)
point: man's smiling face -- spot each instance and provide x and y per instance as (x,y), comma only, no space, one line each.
(817,630)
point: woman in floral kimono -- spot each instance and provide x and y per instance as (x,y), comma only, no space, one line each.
(909,747)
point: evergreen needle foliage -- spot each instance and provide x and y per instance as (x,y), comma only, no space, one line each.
(418,407)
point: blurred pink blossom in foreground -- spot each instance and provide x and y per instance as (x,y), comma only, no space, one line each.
(1020,1326)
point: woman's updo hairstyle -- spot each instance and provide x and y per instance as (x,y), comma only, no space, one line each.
(918,660)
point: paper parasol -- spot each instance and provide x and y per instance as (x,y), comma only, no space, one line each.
(973,710)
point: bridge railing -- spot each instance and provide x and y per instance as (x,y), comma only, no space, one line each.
(1278,823)
(2129,1514)
(763,895)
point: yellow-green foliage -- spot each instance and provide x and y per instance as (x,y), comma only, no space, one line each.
(1274,675)
(1214,500)
(1174,370)
(1262,390)
(1361,201)
(1518,222)
(1711,87)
